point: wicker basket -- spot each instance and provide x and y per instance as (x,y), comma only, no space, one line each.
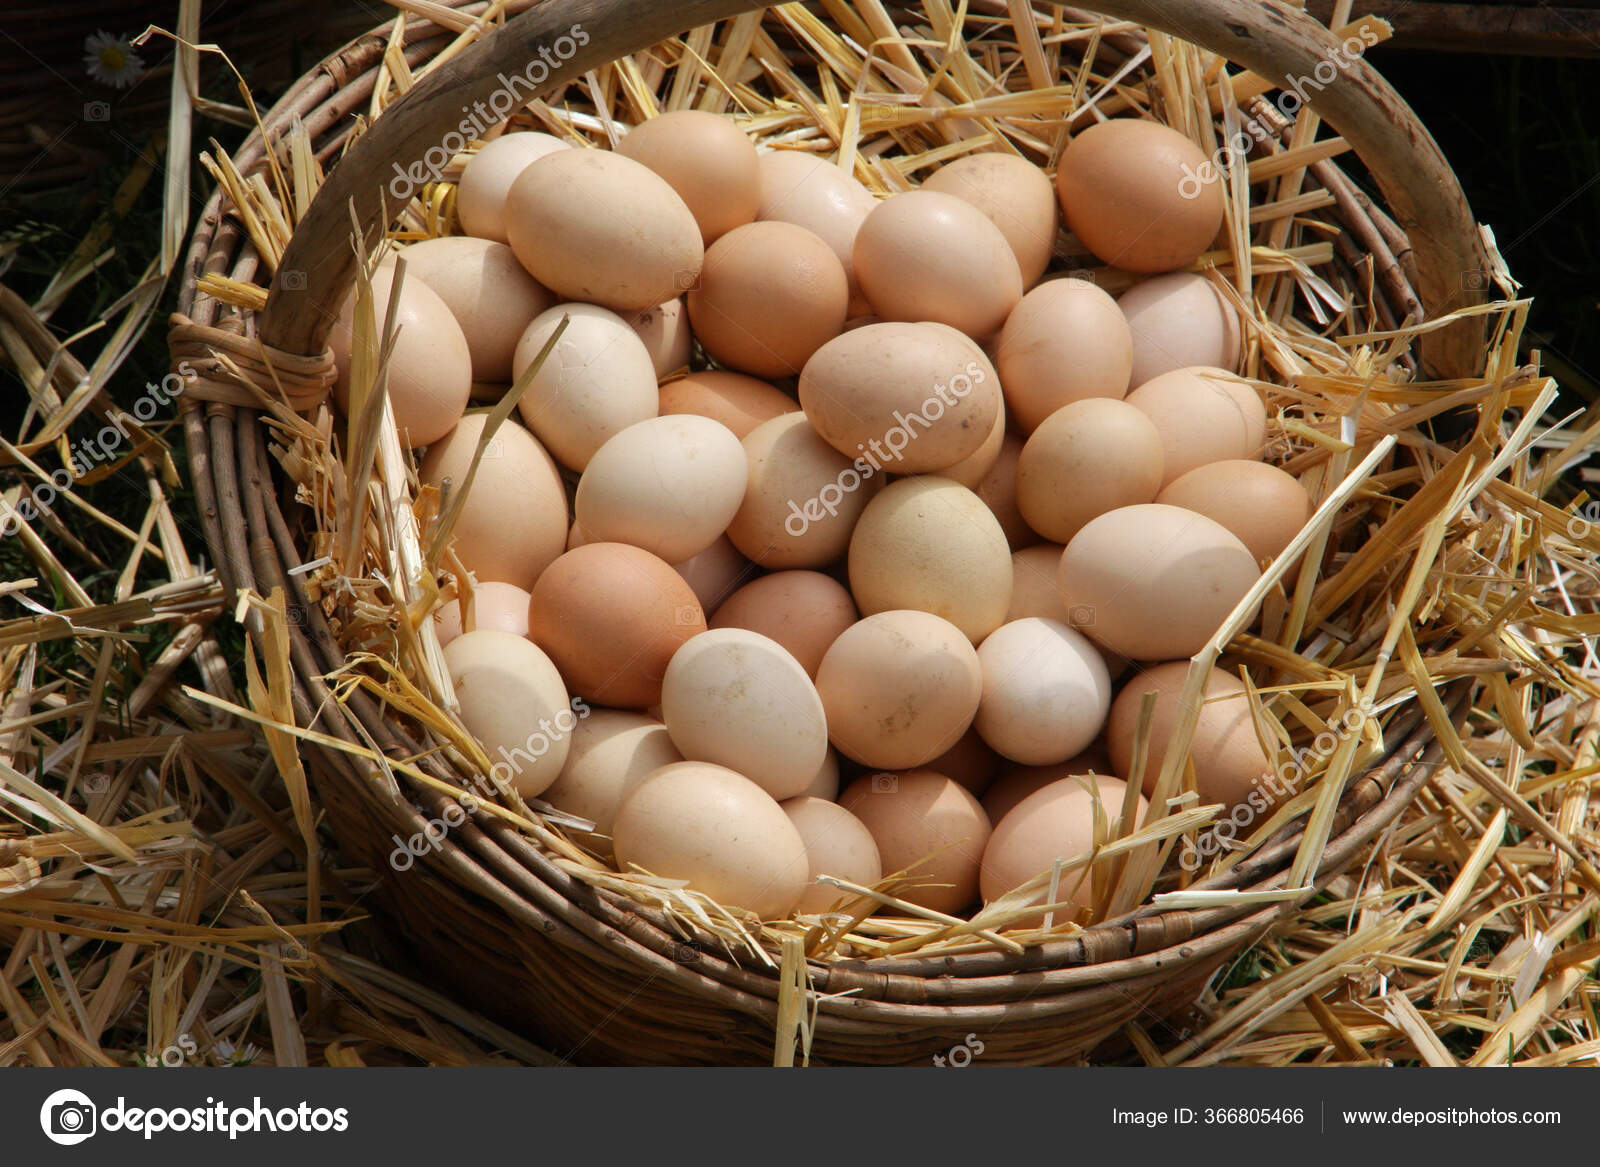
(595,974)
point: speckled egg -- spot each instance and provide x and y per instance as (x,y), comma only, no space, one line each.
(930,544)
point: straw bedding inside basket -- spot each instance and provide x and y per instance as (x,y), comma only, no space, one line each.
(1428,560)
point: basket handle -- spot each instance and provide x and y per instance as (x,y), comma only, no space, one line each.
(1278,43)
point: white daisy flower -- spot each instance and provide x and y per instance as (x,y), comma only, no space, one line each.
(226,1053)
(111,60)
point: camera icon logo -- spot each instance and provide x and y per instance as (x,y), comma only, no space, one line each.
(885,784)
(1474,281)
(294,281)
(96,111)
(68,1117)
(685,280)
(1081,616)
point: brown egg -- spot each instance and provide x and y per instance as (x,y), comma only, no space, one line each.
(930,544)
(811,192)
(908,398)
(969,762)
(1066,341)
(739,402)
(1259,503)
(598,228)
(974,468)
(825,785)
(719,831)
(430,367)
(837,844)
(1017,782)
(1016,196)
(924,255)
(770,295)
(803,497)
(1204,415)
(487,177)
(928,825)
(611,616)
(805,611)
(708,160)
(612,751)
(489,293)
(998,490)
(665,332)
(1154,582)
(1085,459)
(514,522)
(1129,192)
(1064,820)
(899,689)
(501,607)
(715,573)
(1178,321)
(1034,590)
(1227,755)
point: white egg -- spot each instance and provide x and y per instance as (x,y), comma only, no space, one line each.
(514,702)
(596,382)
(1046,691)
(742,701)
(670,485)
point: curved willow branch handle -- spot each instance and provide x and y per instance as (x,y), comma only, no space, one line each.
(1279,43)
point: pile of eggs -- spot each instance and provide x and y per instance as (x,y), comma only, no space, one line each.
(835,537)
